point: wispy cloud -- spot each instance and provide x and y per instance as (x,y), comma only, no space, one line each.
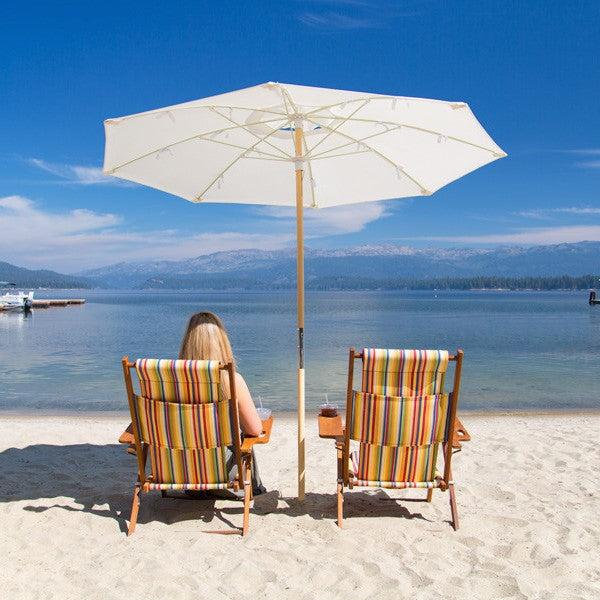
(589,152)
(589,164)
(532,236)
(348,15)
(75,173)
(552,213)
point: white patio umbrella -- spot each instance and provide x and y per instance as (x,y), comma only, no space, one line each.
(345,147)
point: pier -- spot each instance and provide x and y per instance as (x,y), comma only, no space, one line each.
(56,303)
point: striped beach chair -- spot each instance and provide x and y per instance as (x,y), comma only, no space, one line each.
(182,419)
(399,418)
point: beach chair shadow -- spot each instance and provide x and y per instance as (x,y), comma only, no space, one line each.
(91,475)
(92,478)
(399,418)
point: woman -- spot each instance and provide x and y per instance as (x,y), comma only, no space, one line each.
(205,338)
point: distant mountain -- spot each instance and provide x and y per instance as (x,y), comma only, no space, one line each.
(258,269)
(26,278)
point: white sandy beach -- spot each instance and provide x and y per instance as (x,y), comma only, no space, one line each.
(527,498)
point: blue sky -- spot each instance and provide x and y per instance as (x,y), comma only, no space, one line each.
(529,71)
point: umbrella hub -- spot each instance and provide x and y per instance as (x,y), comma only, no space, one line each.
(277,122)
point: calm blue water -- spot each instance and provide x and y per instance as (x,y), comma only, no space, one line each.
(523,350)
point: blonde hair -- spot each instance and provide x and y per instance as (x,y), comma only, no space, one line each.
(205,338)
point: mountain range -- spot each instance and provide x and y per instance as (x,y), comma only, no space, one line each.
(360,267)
(42,278)
(364,265)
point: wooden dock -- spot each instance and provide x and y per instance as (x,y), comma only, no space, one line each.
(56,303)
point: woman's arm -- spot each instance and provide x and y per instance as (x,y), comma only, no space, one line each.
(249,419)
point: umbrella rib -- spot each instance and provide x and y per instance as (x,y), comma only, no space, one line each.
(416,128)
(333,130)
(164,111)
(201,136)
(424,190)
(267,154)
(198,198)
(264,139)
(392,98)
(361,140)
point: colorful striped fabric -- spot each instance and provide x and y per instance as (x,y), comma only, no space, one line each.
(398,468)
(400,417)
(181,381)
(187,425)
(395,421)
(403,372)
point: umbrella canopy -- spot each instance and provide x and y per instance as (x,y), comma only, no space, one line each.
(239,147)
(345,147)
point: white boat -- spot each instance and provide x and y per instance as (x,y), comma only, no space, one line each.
(15,300)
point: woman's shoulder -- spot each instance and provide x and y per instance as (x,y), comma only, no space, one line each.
(239,378)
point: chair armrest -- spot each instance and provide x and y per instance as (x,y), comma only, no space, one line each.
(127,436)
(330,427)
(263,438)
(460,434)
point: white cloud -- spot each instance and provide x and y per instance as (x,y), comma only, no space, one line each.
(330,221)
(78,239)
(334,20)
(533,236)
(589,164)
(550,213)
(349,15)
(74,240)
(75,173)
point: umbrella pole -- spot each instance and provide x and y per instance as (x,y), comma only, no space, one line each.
(300,289)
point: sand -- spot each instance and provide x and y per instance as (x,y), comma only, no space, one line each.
(527,498)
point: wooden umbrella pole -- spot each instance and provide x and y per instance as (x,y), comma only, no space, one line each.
(300,288)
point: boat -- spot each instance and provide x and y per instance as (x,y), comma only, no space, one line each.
(13,300)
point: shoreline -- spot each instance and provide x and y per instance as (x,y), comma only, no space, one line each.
(291,414)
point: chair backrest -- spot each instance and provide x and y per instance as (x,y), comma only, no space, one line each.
(185,420)
(400,416)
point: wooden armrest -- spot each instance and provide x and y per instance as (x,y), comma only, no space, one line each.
(330,427)
(460,434)
(263,438)
(127,436)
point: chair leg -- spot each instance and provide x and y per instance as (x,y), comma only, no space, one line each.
(429,494)
(247,493)
(453,507)
(247,496)
(135,507)
(340,504)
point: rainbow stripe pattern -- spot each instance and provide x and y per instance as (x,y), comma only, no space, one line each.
(403,372)
(180,381)
(186,423)
(399,418)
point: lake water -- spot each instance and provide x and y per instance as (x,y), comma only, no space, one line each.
(523,350)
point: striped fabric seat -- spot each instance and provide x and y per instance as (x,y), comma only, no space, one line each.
(399,418)
(182,416)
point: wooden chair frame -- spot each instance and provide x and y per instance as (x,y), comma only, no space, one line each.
(345,477)
(242,450)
